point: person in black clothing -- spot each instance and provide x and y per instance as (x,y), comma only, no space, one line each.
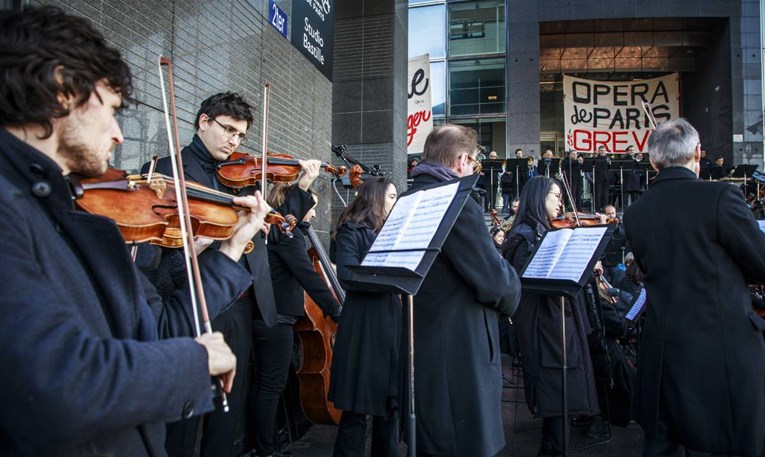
(95,362)
(603,179)
(572,173)
(221,123)
(292,273)
(365,369)
(538,323)
(507,187)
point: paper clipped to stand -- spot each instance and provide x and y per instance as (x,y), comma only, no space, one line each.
(565,253)
(410,228)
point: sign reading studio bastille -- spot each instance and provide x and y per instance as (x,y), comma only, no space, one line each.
(313,30)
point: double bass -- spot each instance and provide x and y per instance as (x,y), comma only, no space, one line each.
(317,339)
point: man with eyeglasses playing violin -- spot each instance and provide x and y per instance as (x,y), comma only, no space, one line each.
(90,369)
(221,125)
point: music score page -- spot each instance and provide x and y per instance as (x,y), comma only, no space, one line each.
(410,227)
(565,253)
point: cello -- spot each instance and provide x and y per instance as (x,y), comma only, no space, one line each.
(317,339)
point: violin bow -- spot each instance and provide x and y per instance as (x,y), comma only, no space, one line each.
(264,145)
(198,301)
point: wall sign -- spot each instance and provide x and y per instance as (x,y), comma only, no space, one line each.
(278,18)
(313,32)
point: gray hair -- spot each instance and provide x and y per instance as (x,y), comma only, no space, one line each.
(673,143)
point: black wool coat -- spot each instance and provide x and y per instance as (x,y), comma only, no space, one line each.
(293,274)
(702,352)
(538,323)
(256,262)
(366,357)
(85,366)
(458,372)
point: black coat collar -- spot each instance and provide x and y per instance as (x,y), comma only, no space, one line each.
(672,173)
(31,170)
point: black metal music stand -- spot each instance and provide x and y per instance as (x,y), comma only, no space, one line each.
(521,167)
(493,167)
(564,288)
(589,165)
(407,282)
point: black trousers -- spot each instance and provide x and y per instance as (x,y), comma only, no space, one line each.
(273,350)
(552,434)
(601,195)
(352,433)
(218,427)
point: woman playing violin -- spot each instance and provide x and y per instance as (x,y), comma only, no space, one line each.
(365,365)
(538,323)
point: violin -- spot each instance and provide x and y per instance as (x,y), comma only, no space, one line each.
(148,211)
(243,170)
(568,220)
(317,338)
(355,176)
(495,218)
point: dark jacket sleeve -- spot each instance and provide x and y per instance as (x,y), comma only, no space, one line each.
(351,246)
(293,254)
(222,279)
(470,250)
(740,235)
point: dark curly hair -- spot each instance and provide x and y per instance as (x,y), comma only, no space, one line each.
(45,52)
(226,104)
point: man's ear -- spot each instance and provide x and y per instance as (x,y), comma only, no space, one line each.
(204,121)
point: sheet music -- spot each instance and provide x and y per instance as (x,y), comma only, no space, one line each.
(547,254)
(637,306)
(565,254)
(762,225)
(577,254)
(411,225)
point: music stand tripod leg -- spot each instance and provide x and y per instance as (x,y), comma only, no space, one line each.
(564,390)
(411,420)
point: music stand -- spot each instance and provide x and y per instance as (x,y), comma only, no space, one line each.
(743,171)
(521,167)
(589,165)
(558,271)
(494,167)
(551,167)
(393,269)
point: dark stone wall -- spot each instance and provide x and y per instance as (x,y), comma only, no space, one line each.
(370,69)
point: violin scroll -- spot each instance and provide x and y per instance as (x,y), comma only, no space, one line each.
(355,176)
(285,224)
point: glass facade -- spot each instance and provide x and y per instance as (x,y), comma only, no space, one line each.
(466,44)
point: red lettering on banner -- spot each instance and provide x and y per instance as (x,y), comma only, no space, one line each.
(617,141)
(613,141)
(414,120)
(641,144)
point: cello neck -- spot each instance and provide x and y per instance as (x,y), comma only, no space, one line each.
(325,264)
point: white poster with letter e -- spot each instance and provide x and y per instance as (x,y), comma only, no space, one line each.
(419,121)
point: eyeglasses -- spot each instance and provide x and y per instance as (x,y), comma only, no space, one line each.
(557,195)
(477,167)
(232,132)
